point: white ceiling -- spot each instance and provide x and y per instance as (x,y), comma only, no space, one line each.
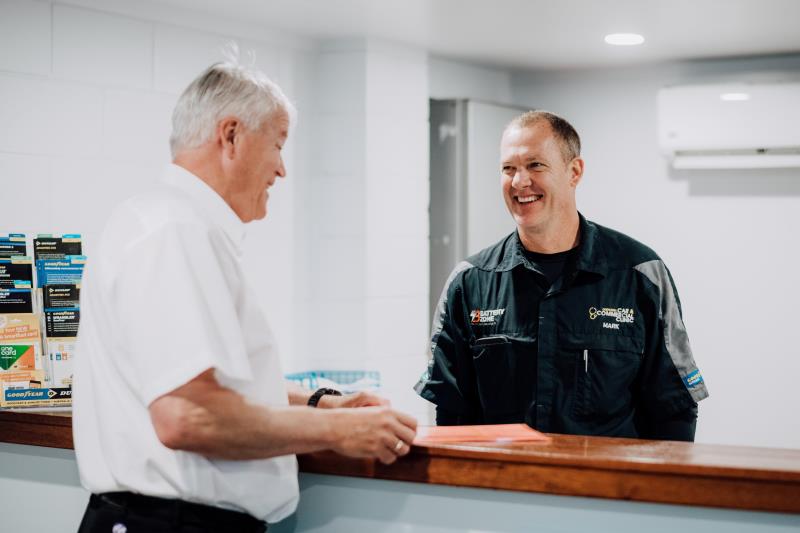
(536,33)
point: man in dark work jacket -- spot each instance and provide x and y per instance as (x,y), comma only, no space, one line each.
(565,325)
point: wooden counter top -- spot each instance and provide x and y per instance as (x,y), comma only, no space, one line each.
(51,430)
(737,477)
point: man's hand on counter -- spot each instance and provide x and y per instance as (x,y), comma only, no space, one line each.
(375,432)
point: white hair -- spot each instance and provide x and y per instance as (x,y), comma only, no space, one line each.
(223,90)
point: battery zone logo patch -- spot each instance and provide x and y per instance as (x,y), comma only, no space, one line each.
(484,317)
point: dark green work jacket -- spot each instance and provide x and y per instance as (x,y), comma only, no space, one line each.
(603,351)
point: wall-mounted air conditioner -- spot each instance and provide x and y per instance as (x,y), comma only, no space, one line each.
(730,126)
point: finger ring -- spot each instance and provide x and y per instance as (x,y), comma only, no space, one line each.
(399,445)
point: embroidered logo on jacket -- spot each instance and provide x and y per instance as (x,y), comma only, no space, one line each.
(693,379)
(485,316)
(620,314)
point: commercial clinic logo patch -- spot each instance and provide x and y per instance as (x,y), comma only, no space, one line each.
(622,315)
(484,317)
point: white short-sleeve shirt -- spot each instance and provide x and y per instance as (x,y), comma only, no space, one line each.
(163,299)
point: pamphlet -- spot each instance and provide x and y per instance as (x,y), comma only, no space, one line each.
(493,433)
(59,296)
(16,282)
(20,342)
(47,246)
(12,244)
(65,271)
(62,322)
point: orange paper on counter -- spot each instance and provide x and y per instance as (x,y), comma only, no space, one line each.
(488,433)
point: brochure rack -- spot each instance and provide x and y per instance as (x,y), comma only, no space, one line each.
(39,316)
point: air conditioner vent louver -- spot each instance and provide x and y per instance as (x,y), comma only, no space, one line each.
(699,128)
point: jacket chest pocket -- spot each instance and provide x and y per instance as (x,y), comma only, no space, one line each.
(605,369)
(505,375)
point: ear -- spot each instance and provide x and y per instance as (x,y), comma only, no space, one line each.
(229,132)
(576,171)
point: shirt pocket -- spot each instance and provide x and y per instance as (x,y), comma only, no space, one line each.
(505,375)
(605,369)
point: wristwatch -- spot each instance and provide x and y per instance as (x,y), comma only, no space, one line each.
(319,393)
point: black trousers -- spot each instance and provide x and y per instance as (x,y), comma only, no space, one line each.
(126,512)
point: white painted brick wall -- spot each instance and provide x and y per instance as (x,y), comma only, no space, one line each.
(182,53)
(394,326)
(393,265)
(397,83)
(137,125)
(26,212)
(97,47)
(370,197)
(334,211)
(339,142)
(25,36)
(454,79)
(336,329)
(340,268)
(82,194)
(49,117)
(343,74)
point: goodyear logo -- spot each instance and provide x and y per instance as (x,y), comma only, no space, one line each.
(18,395)
(693,379)
(27,394)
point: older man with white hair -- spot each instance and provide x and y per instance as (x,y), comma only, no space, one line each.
(182,420)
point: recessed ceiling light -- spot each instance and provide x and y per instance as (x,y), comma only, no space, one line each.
(624,39)
(734,97)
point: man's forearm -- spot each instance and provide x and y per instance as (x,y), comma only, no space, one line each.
(211,420)
(223,424)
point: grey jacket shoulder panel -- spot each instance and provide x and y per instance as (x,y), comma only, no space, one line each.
(620,250)
(675,337)
(439,316)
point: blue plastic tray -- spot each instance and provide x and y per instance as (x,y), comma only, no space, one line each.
(344,380)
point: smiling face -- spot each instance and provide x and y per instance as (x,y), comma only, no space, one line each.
(255,164)
(538,184)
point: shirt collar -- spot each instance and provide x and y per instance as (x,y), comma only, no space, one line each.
(213,207)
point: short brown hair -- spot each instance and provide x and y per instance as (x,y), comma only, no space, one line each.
(566,134)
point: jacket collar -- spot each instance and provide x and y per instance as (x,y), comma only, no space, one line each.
(591,257)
